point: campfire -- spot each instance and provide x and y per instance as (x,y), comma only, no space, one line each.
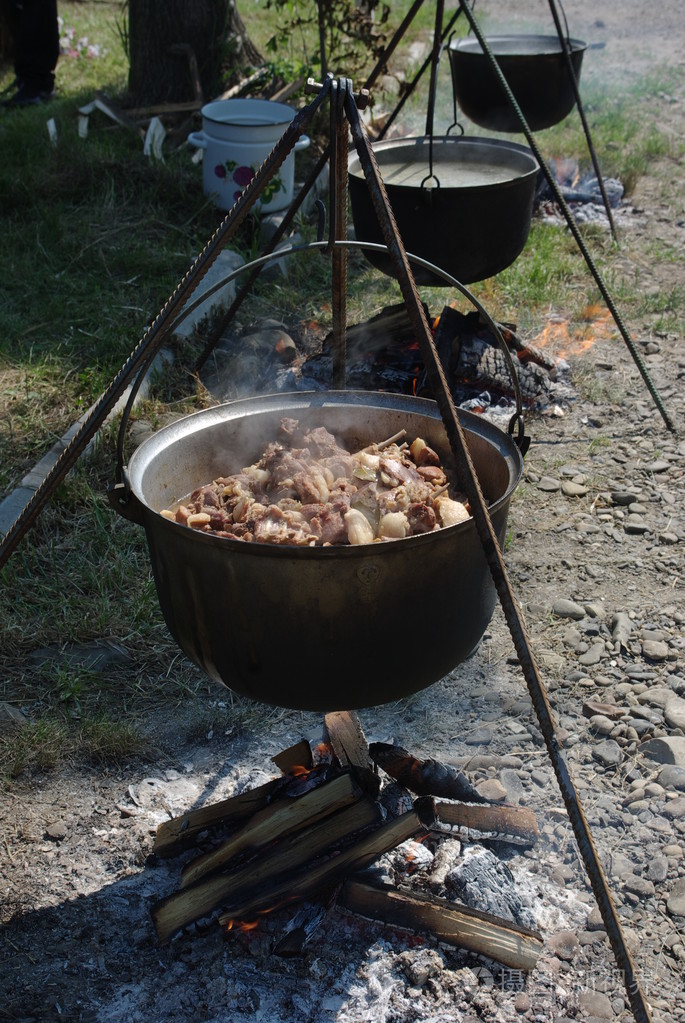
(382,354)
(367,829)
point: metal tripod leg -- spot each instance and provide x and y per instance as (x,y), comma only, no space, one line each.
(491,549)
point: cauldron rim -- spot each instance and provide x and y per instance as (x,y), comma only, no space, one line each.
(441,144)
(154,445)
(551,44)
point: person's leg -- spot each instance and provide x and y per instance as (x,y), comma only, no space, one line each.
(36,46)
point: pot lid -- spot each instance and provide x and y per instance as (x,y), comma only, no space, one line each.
(247,113)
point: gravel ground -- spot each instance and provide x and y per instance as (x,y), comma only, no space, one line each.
(594,556)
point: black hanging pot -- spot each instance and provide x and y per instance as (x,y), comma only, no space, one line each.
(317,628)
(462,203)
(536,70)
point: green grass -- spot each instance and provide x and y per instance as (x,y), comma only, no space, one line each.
(95,239)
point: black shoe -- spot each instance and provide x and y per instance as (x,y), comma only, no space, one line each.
(28,96)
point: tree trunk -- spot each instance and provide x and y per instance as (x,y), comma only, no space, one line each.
(168,39)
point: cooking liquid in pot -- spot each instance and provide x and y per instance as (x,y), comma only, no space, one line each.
(474,174)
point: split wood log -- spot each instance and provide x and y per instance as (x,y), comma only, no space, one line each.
(503,823)
(323,875)
(180,833)
(265,881)
(344,734)
(424,777)
(275,822)
(160,109)
(343,730)
(505,942)
(391,326)
(286,91)
(244,84)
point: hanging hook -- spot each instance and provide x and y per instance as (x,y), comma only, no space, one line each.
(455,123)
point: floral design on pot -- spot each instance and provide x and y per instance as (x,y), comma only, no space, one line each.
(243,175)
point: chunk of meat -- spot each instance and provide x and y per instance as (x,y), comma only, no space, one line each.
(421,517)
(359,529)
(451,512)
(277,527)
(394,471)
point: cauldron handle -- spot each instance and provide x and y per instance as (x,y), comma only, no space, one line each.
(119,493)
(124,503)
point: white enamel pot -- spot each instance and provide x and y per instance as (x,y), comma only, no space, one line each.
(237,136)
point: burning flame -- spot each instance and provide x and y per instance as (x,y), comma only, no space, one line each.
(247,926)
(322,753)
(566,171)
(596,325)
(244,926)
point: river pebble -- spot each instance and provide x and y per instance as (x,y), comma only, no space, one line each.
(564,608)
(665,750)
(675,902)
(548,484)
(672,777)
(674,712)
(608,753)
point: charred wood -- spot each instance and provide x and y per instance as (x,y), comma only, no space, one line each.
(297,756)
(301,928)
(390,327)
(484,882)
(490,823)
(269,879)
(424,777)
(508,943)
(274,822)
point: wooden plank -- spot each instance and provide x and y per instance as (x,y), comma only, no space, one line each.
(275,822)
(180,833)
(507,943)
(502,822)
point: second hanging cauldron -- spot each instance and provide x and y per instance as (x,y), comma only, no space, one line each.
(462,203)
(536,71)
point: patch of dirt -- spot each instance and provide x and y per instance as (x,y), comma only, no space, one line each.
(594,554)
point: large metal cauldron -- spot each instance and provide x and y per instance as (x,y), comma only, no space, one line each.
(317,628)
(471,216)
(536,70)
